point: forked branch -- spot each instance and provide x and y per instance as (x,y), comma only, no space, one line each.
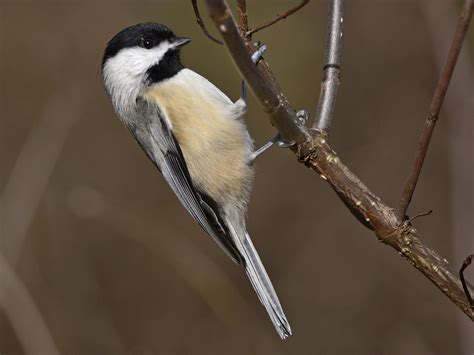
(243,17)
(312,149)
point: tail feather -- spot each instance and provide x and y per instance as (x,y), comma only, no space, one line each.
(263,287)
(261,283)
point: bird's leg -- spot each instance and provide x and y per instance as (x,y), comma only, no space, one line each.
(275,140)
(301,117)
(264,147)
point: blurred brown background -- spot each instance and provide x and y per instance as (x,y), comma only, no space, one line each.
(98,253)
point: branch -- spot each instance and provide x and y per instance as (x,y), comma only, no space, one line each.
(278,17)
(201,22)
(243,17)
(332,67)
(312,150)
(435,108)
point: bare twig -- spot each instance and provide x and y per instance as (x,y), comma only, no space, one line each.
(458,106)
(243,16)
(465,264)
(201,22)
(436,103)
(332,67)
(278,17)
(314,152)
(424,214)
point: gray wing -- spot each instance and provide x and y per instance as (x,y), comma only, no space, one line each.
(151,130)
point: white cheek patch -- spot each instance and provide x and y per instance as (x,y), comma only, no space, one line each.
(124,74)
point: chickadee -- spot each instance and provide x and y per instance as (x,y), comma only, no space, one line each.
(196,137)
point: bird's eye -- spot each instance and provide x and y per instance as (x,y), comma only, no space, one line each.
(147,43)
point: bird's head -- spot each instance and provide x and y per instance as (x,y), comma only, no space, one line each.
(137,57)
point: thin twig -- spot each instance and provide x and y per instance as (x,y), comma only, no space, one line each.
(332,67)
(201,23)
(278,17)
(314,151)
(465,264)
(243,16)
(458,107)
(424,214)
(436,103)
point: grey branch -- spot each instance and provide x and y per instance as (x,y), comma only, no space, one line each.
(332,67)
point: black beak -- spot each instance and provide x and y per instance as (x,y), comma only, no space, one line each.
(181,41)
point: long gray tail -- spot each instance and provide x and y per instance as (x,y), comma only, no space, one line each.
(262,284)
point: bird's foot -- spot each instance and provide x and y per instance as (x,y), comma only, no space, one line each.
(258,54)
(301,119)
(278,140)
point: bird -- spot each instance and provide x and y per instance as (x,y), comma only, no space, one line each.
(196,137)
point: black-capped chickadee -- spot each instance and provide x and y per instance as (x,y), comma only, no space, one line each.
(196,137)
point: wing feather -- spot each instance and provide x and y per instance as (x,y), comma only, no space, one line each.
(154,135)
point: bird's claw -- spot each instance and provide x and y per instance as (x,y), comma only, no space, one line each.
(258,54)
(302,117)
(278,140)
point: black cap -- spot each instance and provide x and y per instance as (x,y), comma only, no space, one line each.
(148,34)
